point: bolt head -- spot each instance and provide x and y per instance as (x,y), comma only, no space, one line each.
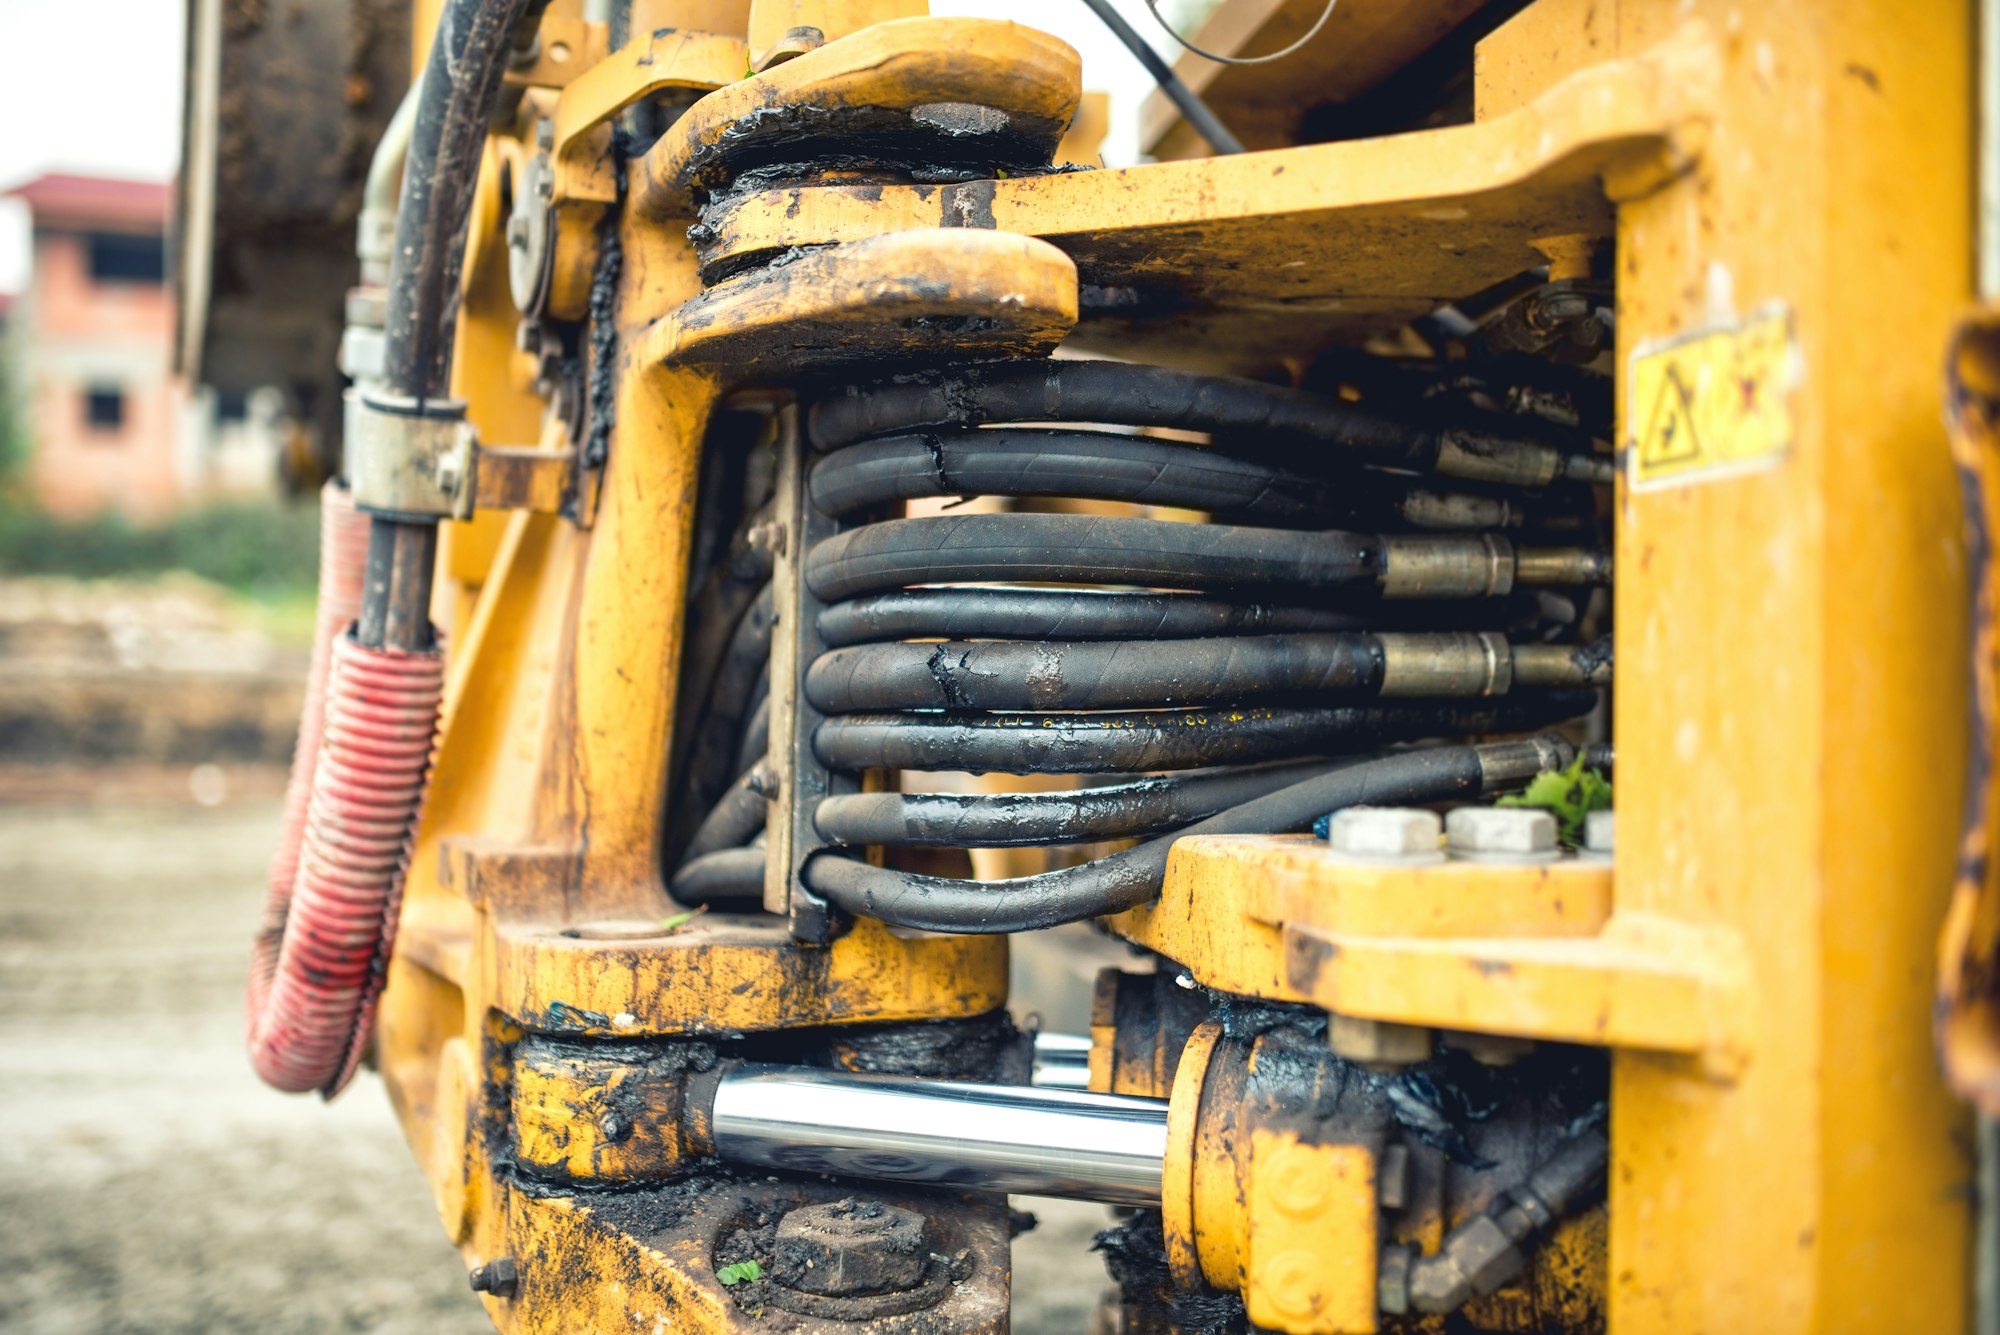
(500,1277)
(1599,830)
(1392,1285)
(1377,1043)
(767,537)
(1509,833)
(850,1247)
(1392,834)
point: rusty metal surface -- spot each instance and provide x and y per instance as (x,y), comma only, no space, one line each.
(647,1258)
(1299,247)
(1968,1013)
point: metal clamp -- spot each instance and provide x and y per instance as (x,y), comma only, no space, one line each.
(410,458)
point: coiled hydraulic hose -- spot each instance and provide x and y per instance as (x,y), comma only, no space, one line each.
(370,727)
(1230,676)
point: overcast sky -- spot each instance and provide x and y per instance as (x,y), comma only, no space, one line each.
(94,86)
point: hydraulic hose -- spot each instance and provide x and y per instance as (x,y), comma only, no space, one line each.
(1100,466)
(367,741)
(1020,820)
(1259,420)
(1124,880)
(1340,607)
(1168,739)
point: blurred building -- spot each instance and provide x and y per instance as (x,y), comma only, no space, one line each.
(110,425)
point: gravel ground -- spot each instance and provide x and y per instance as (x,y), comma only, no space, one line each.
(148,1182)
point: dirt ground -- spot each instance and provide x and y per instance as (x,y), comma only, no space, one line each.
(148,1182)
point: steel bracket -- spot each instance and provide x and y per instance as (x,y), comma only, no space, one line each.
(409,457)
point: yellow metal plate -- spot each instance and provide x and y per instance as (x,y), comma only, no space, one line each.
(1714,403)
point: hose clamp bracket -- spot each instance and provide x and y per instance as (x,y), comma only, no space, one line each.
(409,458)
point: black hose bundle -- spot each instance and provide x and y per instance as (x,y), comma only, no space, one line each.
(1234,675)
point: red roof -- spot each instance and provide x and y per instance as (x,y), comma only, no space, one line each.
(61,198)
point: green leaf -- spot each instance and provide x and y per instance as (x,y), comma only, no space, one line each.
(1569,795)
(742,1272)
(674,922)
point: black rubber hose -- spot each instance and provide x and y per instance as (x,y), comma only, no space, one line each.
(1200,119)
(1031,820)
(756,743)
(1102,614)
(1123,880)
(396,588)
(456,96)
(1086,549)
(712,733)
(1162,740)
(732,873)
(1053,674)
(1014,461)
(1125,395)
(736,591)
(715,613)
(733,821)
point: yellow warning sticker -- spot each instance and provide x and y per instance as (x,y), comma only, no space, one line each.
(1713,403)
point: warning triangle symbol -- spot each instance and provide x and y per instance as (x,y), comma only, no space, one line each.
(1670,435)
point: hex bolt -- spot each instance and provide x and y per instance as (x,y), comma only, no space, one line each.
(1599,829)
(1392,1283)
(1502,834)
(449,474)
(500,1277)
(1385,834)
(1377,1043)
(1392,1177)
(850,1247)
(768,536)
(1489,1049)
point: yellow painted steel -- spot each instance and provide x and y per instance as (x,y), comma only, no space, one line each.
(1311,1236)
(1790,704)
(903,64)
(1533,952)
(1789,717)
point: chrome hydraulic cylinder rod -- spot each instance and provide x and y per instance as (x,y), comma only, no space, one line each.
(944,1133)
(1061,1061)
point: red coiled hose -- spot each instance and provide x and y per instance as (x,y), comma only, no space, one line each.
(343,565)
(365,747)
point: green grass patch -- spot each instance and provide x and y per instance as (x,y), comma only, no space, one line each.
(267,550)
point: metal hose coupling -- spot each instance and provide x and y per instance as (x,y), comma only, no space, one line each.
(1485,1252)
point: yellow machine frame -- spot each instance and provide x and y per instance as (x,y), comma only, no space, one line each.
(1790,716)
